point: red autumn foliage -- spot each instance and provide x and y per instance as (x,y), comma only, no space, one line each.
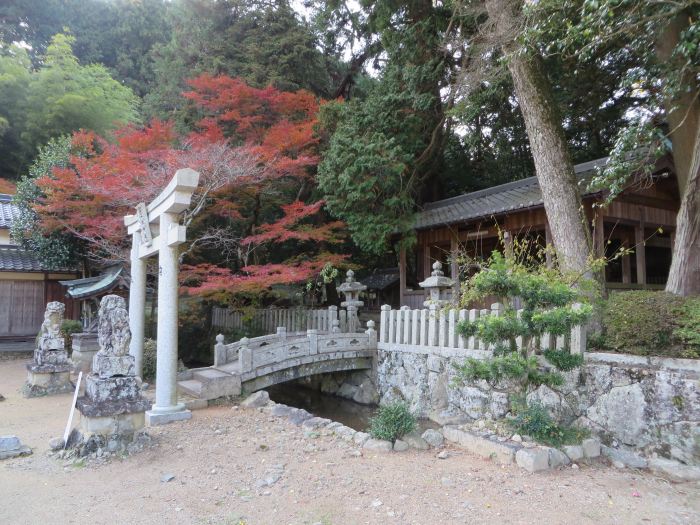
(7,186)
(211,280)
(253,145)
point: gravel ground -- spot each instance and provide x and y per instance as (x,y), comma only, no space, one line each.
(236,466)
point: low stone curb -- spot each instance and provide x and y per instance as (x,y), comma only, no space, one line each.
(529,456)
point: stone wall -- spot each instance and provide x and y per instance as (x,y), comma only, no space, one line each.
(636,404)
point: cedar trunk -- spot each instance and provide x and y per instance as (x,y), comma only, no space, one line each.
(683,115)
(553,165)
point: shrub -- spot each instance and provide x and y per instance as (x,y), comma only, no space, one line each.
(547,299)
(68,328)
(392,421)
(563,360)
(524,370)
(534,420)
(149,359)
(688,331)
(644,322)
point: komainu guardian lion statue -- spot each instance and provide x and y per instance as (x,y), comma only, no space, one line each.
(113,333)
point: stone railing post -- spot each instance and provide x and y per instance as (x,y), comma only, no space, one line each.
(432,325)
(496,311)
(219,351)
(313,341)
(332,317)
(578,335)
(282,333)
(384,323)
(245,356)
(372,335)
(335,329)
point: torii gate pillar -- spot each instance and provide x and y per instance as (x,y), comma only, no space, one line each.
(160,215)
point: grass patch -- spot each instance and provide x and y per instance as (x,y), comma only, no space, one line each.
(392,421)
(534,421)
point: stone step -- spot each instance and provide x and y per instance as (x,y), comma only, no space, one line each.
(206,375)
(191,387)
(230,368)
(210,383)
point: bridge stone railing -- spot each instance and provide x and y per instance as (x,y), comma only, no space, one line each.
(436,327)
(282,347)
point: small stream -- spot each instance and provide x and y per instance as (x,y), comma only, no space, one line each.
(344,411)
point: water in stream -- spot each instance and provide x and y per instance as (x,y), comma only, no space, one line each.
(344,411)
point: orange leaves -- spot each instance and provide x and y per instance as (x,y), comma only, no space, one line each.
(277,126)
(206,279)
(7,186)
(289,227)
(255,150)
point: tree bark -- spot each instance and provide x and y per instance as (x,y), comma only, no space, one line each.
(684,275)
(553,165)
(683,116)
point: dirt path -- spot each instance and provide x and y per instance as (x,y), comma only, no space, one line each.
(220,457)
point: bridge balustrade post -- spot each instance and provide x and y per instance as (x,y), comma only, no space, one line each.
(372,335)
(245,356)
(219,351)
(336,326)
(313,341)
(282,333)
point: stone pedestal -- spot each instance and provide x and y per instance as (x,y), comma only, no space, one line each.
(112,403)
(47,380)
(84,349)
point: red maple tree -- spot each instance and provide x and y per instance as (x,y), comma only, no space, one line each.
(256,153)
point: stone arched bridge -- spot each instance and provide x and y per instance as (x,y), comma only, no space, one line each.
(253,364)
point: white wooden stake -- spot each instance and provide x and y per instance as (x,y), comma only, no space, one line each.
(72,410)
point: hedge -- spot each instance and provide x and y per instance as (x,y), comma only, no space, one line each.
(650,323)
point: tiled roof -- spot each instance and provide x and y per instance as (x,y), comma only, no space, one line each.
(8,211)
(15,259)
(93,286)
(505,198)
(381,279)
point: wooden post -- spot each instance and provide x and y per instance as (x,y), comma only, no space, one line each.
(508,244)
(640,252)
(599,235)
(626,263)
(454,268)
(402,275)
(426,261)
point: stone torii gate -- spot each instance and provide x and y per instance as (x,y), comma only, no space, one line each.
(155,229)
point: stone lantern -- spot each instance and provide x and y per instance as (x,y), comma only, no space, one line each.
(436,285)
(351,290)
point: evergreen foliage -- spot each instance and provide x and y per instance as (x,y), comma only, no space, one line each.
(650,323)
(54,249)
(60,97)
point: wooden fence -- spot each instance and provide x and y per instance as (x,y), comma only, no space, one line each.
(437,327)
(266,321)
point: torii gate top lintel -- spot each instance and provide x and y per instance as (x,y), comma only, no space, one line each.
(175,198)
